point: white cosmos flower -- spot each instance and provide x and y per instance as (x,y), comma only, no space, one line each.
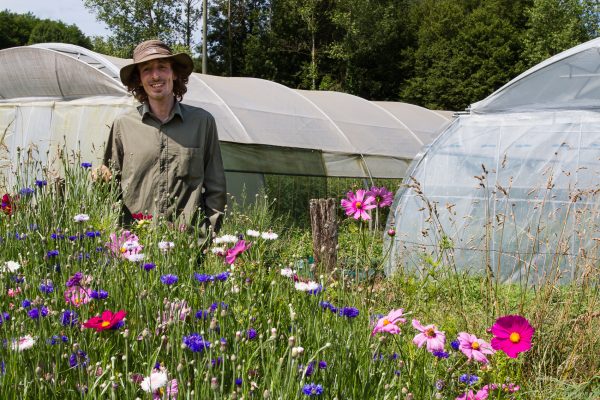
(287,272)
(219,251)
(24,343)
(81,218)
(134,257)
(252,233)
(269,235)
(155,381)
(11,266)
(165,246)
(226,239)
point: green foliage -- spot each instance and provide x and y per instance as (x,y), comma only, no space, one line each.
(15,28)
(47,31)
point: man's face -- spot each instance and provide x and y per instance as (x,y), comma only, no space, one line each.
(157,78)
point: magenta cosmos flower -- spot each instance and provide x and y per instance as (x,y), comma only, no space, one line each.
(474,348)
(232,253)
(356,205)
(429,334)
(390,322)
(382,196)
(512,335)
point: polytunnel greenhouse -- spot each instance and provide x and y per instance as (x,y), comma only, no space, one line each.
(510,189)
(53,94)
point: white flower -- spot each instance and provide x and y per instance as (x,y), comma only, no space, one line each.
(11,266)
(81,218)
(252,233)
(131,245)
(24,343)
(226,239)
(219,251)
(301,286)
(269,235)
(165,246)
(155,381)
(287,272)
(134,257)
(313,286)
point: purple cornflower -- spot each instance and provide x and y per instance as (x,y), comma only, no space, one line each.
(69,318)
(52,253)
(73,238)
(75,279)
(57,236)
(322,364)
(251,334)
(310,369)
(79,359)
(99,295)
(86,165)
(149,266)
(26,191)
(35,313)
(455,344)
(349,312)
(40,182)
(47,286)
(468,379)
(26,303)
(202,314)
(440,354)
(214,306)
(196,343)
(18,278)
(169,279)
(57,339)
(4,316)
(204,278)
(222,276)
(312,389)
(238,381)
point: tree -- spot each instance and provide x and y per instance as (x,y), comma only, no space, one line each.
(15,29)
(57,31)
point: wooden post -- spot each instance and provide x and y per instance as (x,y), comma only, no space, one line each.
(324,232)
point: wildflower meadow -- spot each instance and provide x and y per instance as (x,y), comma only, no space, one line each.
(92,309)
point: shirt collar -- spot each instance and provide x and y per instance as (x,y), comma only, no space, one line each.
(144,110)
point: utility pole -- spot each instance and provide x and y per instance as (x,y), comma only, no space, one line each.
(204,37)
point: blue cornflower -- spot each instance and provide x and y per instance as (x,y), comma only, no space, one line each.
(349,312)
(196,343)
(440,354)
(4,316)
(169,279)
(18,278)
(204,278)
(215,362)
(312,389)
(92,234)
(222,276)
(26,191)
(47,287)
(69,318)
(118,325)
(86,165)
(238,381)
(310,369)
(322,364)
(214,306)
(149,266)
(74,280)
(325,305)
(99,294)
(52,253)
(202,314)
(82,256)
(468,379)
(251,334)
(57,339)
(455,344)
(20,236)
(57,236)
(35,313)
(26,303)
(73,238)
(79,359)
(40,182)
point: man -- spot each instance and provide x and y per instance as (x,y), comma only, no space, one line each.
(166,154)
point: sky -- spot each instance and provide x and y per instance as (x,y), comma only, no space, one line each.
(68,11)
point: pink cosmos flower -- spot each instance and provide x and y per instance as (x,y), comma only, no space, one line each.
(13,292)
(474,348)
(124,245)
(383,197)
(77,295)
(429,334)
(357,205)
(512,335)
(232,253)
(470,395)
(389,323)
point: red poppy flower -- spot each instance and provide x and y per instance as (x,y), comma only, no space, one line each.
(106,321)
(7,204)
(141,216)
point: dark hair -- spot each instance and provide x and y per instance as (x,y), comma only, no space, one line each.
(179,85)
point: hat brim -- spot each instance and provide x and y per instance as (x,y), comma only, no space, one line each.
(184,60)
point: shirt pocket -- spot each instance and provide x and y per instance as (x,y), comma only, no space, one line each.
(191,163)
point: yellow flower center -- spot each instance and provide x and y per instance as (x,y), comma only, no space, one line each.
(104,324)
(430,332)
(358,204)
(123,249)
(475,346)
(514,337)
(386,322)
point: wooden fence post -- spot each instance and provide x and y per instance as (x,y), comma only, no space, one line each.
(324,225)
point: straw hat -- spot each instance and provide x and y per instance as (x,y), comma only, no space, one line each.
(151,50)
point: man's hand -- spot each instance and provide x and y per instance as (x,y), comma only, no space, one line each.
(101,173)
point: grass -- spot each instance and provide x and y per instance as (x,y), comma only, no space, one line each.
(267,338)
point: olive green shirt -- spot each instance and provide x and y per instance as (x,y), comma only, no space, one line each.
(170,169)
